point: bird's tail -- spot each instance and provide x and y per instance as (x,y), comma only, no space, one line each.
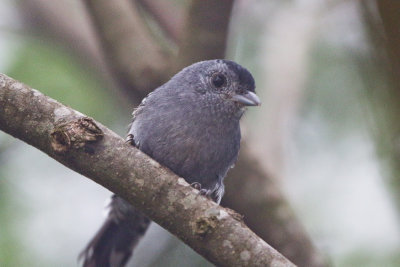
(113,244)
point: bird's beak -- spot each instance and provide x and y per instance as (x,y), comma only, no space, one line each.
(247,99)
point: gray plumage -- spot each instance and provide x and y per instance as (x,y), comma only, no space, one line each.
(190,125)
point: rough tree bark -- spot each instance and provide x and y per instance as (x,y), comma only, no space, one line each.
(91,149)
(248,187)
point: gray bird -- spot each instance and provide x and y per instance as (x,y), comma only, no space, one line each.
(190,125)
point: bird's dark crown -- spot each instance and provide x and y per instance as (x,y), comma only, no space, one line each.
(244,76)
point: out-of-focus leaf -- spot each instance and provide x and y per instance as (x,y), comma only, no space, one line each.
(54,72)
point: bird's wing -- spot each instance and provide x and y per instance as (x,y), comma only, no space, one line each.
(130,139)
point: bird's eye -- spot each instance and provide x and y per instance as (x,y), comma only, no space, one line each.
(218,80)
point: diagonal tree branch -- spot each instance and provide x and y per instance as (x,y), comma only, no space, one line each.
(63,21)
(255,194)
(135,57)
(91,149)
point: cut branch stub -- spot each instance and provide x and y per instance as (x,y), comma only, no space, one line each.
(75,134)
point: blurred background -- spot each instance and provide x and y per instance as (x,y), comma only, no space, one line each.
(320,158)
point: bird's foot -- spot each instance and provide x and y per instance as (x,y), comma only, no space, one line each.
(130,139)
(196,185)
(202,191)
(205,192)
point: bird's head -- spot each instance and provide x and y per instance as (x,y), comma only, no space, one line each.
(232,81)
(223,84)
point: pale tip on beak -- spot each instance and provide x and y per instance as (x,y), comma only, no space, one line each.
(247,99)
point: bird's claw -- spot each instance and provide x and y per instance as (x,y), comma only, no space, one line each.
(202,191)
(196,185)
(130,139)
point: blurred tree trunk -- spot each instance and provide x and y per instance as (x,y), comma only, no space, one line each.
(382,77)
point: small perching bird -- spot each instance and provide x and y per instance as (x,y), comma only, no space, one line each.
(190,125)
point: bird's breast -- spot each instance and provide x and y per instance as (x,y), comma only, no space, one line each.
(198,150)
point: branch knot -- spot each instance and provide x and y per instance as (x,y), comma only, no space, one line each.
(75,135)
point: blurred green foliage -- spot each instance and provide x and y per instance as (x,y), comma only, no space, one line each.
(365,259)
(53,71)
